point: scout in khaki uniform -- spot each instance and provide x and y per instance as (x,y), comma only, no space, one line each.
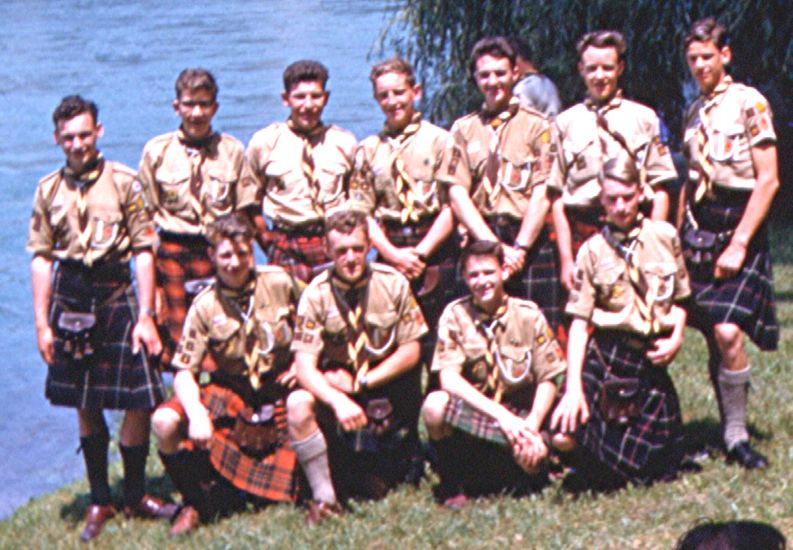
(296,171)
(190,177)
(90,218)
(395,181)
(497,358)
(356,351)
(603,126)
(730,146)
(229,437)
(629,278)
(496,169)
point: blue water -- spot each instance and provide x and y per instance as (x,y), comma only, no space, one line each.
(126,58)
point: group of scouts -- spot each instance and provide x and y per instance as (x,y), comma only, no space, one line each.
(302,379)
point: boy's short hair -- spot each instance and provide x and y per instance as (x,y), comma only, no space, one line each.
(620,168)
(602,39)
(192,80)
(233,227)
(347,221)
(73,105)
(707,30)
(497,46)
(521,48)
(481,248)
(305,70)
(393,65)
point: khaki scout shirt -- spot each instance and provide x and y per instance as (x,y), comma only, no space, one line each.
(274,170)
(580,151)
(117,216)
(735,119)
(166,169)
(391,311)
(524,337)
(521,160)
(373,187)
(602,290)
(211,328)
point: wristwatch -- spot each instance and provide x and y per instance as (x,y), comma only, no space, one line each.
(363,383)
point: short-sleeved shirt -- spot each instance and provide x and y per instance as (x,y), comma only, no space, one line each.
(604,295)
(166,171)
(390,311)
(212,327)
(735,118)
(520,161)
(538,92)
(274,173)
(523,336)
(583,146)
(116,212)
(373,188)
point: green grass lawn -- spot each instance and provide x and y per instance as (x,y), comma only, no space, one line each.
(632,518)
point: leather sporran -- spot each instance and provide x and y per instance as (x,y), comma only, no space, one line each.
(255,432)
(620,399)
(76,329)
(379,412)
(702,249)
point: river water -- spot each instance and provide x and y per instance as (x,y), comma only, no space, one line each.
(126,56)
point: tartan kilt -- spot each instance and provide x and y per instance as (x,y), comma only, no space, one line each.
(299,250)
(180,258)
(539,280)
(650,446)
(112,377)
(746,300)
(461,416)
(272,477)
(583,224)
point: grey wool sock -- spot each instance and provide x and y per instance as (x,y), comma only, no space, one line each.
(733,387)
(312,453)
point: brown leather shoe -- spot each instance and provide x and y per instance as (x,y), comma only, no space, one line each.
(95,517)
(320,511)
(151,507)
(186,520)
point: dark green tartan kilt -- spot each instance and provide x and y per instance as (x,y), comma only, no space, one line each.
(112,377)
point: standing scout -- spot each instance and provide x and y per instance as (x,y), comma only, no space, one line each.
(356,351)
(244,320)
(533,89)
(627,326)
(395,181)
(603,126)
(496,170)
(497,359)
(190,177)
(730,146)
(90,218)
(298,170)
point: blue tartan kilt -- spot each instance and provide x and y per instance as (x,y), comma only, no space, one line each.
(648,447)
(112,377)
(746,300)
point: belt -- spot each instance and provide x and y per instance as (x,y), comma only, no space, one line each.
(183,238)
(310,229)
(630,340)
(103,272)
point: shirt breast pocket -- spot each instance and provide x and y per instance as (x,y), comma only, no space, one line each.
(220,191)
(582,158)
(331,182)
(381,329)
(515,172)
(613,286)
(171,188)
(107,226)
(514,362)
(224,342)
(661,280)
(725,141)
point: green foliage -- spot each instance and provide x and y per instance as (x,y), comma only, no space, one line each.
(437,36)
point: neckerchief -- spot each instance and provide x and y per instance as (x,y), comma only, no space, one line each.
(496,124)
(241,302)
(625,243)
(490,326)
(706,169)
(351,300)
(403,183)
(197,150)
(83,180)
(307,164)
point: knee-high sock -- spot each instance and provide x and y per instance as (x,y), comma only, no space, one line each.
(733,387)
(134,459)
(312,453)
(95,454)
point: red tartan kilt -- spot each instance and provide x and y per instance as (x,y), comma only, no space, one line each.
(298,253)
(272,477)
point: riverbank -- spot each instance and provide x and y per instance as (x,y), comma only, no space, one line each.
(634,518)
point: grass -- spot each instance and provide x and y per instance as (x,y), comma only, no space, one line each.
(635,518)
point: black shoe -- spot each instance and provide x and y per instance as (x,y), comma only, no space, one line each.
(746,457)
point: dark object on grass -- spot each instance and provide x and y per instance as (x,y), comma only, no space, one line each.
(732,535)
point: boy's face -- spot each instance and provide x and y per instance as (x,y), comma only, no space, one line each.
(484,277)
(233,262)
(306,100)
(77,137)
(396,98)
(601,69)
(707,63)
(495,77)
(620,200)
(348,252)
(196,109)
